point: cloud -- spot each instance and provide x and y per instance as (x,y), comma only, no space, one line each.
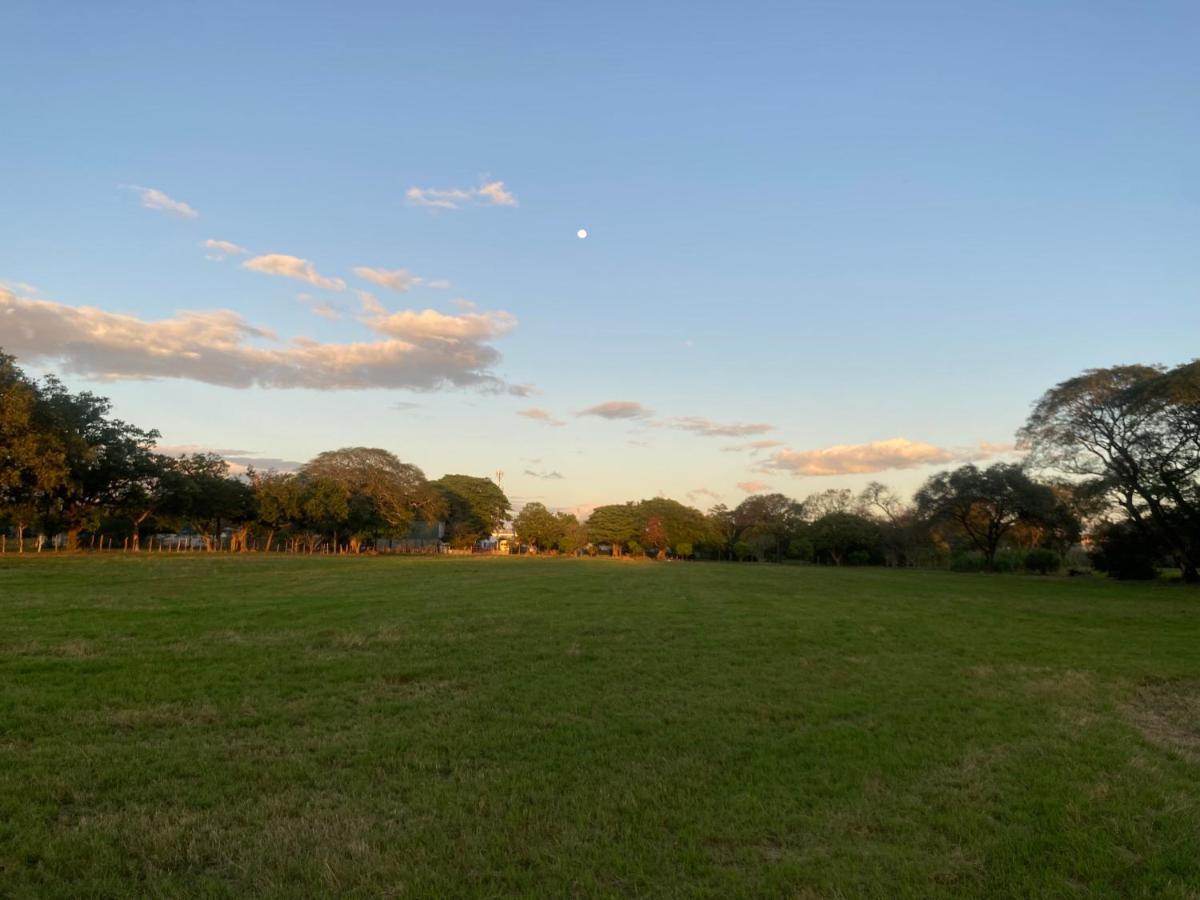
(495,193)
(440,284)
(753,487)
(549,476)
(857,459)
(156,199)
(293,267)
(405,405)
(708,428)
(419,351)
(491,193)
(754,447)
(396,279)
(540,415)
(703,492)
(319,307)
(222,249)
(617,409)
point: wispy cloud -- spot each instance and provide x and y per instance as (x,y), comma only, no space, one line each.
(418,351)
(540,415)
(708,428)
(549,476)
(152,198)
(753,487)
(617,409)
(405,405)
(395,279)
(293,267)
(490,193)
(319,307)
(240,461)
(218,250)
(753,447)
(699,492)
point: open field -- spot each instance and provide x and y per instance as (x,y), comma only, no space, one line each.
(431,727)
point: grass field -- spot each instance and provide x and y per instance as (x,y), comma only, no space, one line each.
(454,727)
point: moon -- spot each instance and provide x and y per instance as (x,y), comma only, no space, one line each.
(581,233)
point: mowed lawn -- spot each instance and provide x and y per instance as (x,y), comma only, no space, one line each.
(224,726)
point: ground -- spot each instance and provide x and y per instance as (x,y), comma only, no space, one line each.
(221,726)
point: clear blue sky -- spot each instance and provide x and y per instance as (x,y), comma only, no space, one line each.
(853,222)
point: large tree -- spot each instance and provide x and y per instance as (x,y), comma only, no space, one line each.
(103,456)
(986,503)
(32,458)
(767,521)
(386,495)
(615,524)
(1132,433)
(475,508)
(537,526)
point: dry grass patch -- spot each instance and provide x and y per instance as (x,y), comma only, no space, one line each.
(1168,715)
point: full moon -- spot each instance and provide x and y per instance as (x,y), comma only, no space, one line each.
(581,233)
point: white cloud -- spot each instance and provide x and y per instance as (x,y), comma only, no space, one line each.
(495,193)
(539,415)
(856,459)
(708,428)
(156,199)
(395,279)
(420,351)
(703,492)
(222,249)
(491,193)
(240,461)
(293,267)
(617,409)
(754,447)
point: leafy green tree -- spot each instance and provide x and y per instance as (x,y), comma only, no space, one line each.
(573,534)
(663,523)
(537,527)
(199,493)
(985,503)
(277,502)
(767,521)
(395,493)
(103,456)
(32,458)
(475,508)
(615,524)
(839,535)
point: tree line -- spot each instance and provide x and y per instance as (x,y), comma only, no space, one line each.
(1113,458)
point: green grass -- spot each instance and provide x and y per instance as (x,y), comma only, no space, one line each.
(448,727)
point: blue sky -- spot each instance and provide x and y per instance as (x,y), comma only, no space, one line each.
(854,223)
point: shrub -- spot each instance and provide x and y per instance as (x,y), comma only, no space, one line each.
(1041,561)
(967,561)
(858,558)
(684,550)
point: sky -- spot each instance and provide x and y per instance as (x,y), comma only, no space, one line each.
(828,243)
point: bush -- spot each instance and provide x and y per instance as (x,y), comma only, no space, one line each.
(1041,561)
(684,550)
(858,558)
(742,551)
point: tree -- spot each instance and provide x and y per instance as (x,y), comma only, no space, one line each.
(573,534)
(1132,433)
(615,524)
(475,508)
(396,493)
(199,493)
(985,503)
(277,501)
(537,526)
(767,520)
(662,524)
(840,534)
(102,456)
(143,493)
(829,501)
(32,459)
